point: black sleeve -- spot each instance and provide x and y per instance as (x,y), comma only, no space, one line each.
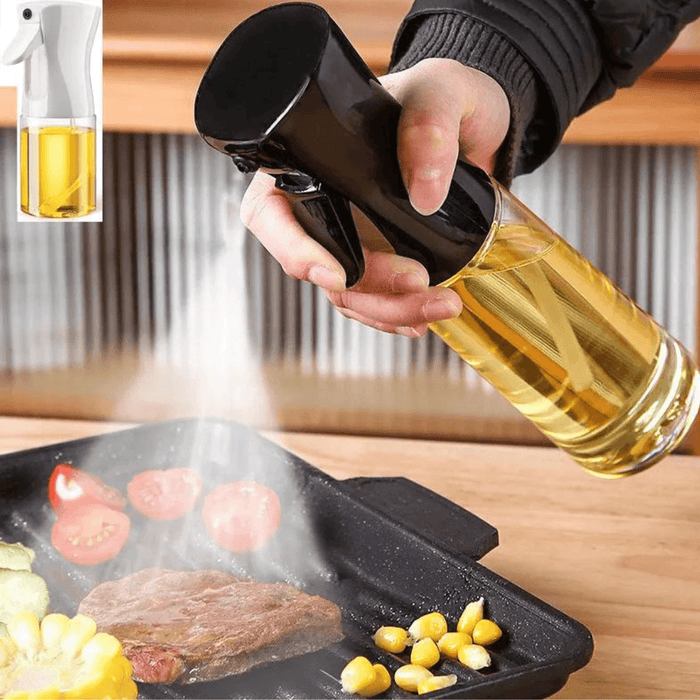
(633,35)
(554,58)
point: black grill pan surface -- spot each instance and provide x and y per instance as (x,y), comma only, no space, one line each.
(386,550)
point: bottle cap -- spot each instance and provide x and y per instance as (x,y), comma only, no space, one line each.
(55,39)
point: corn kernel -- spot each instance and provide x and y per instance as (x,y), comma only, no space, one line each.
(357,675)
(409,676)
(53,627)
(380,684)
(49,673)
(436,683)
(474,656)
(391,639)
(470,616)
(101,648)
(79,630)
(432,625)
(450,643)
(486,632)
(23,629)
(425,653)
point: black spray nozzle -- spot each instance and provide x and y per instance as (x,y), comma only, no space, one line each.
(288,93)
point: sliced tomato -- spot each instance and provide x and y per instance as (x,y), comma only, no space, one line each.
(164,494)
(70,488)
(241,515)
(91,534)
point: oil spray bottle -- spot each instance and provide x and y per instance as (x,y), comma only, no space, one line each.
(287,93)
(57,117)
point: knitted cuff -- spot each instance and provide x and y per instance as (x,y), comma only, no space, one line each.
(474,44)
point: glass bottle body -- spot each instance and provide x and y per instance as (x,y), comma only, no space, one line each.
(57,167)
(594,372)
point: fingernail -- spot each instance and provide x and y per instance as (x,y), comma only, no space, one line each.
(408,282)
(323,276)
(440,309)
(424,190)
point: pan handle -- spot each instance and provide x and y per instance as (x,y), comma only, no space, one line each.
(426,513)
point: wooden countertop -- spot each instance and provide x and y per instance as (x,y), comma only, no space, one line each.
(622,557)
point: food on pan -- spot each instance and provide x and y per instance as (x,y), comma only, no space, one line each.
(165,494)
(362,677)
(91,528)
(62,658)
(425,653)
(472,613)
(70,488)
(474,656)
(433,625)
(20,589)
(16,556)
(410,676)
(381,682)
(429,640)
(242,515)
(190,626)
(90,534)
(393,639)
(486,632)
(428,685)
(450,642)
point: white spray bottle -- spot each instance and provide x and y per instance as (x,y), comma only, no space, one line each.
(57,115)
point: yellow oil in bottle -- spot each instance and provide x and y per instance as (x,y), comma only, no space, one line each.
(577,357)
(57,171)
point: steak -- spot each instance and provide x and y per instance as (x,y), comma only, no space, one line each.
(189,626)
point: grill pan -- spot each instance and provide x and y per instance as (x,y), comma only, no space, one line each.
(386,550)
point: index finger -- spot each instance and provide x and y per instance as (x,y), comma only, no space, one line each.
(268,215)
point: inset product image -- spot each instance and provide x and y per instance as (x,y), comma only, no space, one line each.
(57,124)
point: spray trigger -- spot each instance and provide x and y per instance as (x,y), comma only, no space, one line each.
(24,43)
(327,218)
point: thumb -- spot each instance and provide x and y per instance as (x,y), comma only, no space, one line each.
(428,144)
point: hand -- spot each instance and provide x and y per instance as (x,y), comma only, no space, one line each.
(448,109)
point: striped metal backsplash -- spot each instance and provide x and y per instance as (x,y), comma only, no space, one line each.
(171,272)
